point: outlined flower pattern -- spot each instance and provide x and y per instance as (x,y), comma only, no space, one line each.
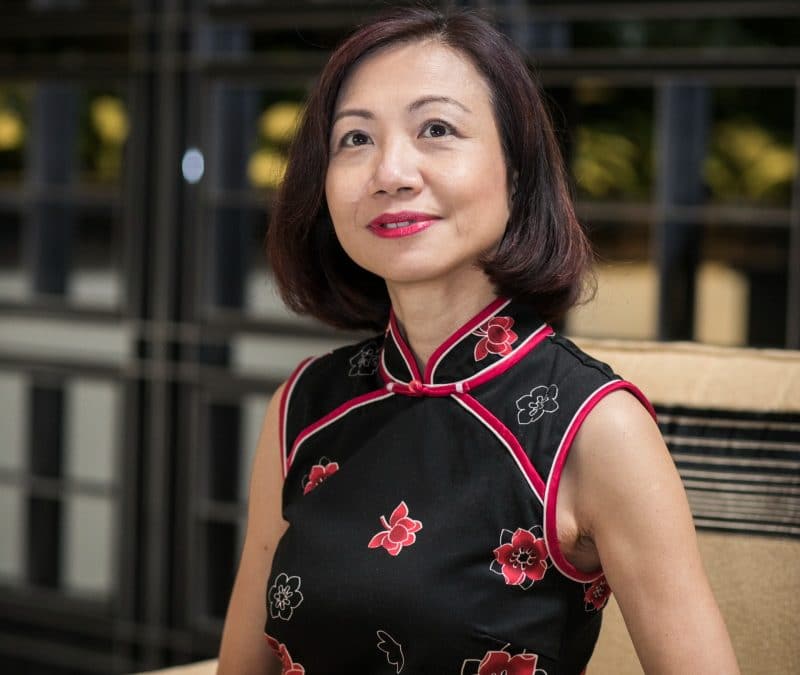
(596,594)
(392,649)
(542,399)
(284,596)
(288,666)
(365,361)
(319,473)
(521,557)
(496,337)
(398,532)
(502,662)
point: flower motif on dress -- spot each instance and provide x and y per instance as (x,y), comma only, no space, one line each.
(496,337)
(521,557)
(398,532)
(501,662)
(319,473)
(284,596)
(392,648)
(596,594)
(288,666)
(541,400)
(365,361)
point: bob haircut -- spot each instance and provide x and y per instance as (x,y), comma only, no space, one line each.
(544,255)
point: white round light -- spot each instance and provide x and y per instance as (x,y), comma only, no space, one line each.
(193,165)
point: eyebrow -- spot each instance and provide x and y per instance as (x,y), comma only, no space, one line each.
(412,107)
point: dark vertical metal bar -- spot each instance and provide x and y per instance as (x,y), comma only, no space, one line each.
(131,551)
(235,110)
(165,271)
(683,118)
(44,530)
(793,275)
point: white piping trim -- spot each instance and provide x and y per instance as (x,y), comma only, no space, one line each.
(502,441)
(337,418)
(285,450)
(386,369)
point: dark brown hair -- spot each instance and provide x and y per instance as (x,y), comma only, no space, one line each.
(544,255)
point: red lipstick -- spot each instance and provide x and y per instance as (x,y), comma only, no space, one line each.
(401,223)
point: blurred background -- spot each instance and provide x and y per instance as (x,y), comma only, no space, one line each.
(140,336)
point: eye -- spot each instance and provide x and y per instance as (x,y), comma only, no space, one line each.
(353,139)
(437,129)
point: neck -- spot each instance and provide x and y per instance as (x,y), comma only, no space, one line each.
(429,313)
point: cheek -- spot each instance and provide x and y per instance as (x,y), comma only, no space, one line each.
(342,194)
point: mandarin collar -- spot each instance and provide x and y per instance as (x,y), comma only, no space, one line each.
(485,346)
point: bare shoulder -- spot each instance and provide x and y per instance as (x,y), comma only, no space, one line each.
(243,649)
(627,498)
(621,470)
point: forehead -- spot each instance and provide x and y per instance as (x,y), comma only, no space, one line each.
(406,71)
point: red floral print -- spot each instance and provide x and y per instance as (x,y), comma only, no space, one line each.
(521,558)
(399,531)
(319,473)
(496,337)
(596,595)
(288,667)
(501,662)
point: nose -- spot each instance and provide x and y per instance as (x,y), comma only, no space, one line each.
(396,169)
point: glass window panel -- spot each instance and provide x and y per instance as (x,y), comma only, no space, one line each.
(12,529)
(91,429)
(103,133)
(55,338)
(262,298)
(751,157)
(14,281)
(721,302)
(278,116)
(14,131)
(626,301)
(612,153)
(96,275)
(741,291)
(89,545)
(276,356)
(652,33)
(14,415)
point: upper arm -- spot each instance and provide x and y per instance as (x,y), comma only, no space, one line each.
(244,649)
(629,499)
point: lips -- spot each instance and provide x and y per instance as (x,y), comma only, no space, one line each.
(401,224)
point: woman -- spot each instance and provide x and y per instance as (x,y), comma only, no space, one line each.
(458,494)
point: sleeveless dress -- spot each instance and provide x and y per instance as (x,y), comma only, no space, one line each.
(421,506)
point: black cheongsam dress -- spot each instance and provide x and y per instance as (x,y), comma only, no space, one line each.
(421,505)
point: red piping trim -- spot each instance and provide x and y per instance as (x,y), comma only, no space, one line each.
(501,366)
(334,415)
(441,351)
(551,493)
(284,408)
(405,351)
(415,388)
(506,438)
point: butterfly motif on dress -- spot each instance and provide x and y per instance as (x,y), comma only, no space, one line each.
(391,647)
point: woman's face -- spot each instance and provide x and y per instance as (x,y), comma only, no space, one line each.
(416,184)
